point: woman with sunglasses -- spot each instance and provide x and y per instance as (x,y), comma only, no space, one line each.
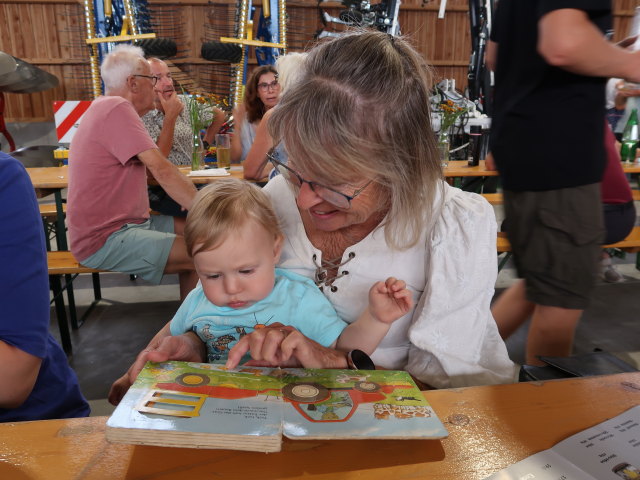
(261,94)
(361,197)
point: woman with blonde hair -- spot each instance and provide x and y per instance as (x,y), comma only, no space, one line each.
(362,196)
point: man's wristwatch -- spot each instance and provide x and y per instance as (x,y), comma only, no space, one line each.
(358,360)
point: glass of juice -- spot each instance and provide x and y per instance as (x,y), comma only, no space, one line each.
(223,150)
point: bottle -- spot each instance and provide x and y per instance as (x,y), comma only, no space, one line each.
(475,145)
(630,137)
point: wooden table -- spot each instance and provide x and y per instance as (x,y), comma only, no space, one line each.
(461,168)
(489,429)
(57,178)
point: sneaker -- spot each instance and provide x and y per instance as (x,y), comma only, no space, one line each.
(611,275)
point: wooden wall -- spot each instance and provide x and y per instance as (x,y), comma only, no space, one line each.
(50,34)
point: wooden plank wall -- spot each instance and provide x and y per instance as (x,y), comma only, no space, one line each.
(50,34)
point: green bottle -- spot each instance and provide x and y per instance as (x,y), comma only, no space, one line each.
(630,138)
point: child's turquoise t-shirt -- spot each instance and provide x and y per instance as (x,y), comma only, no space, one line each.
(295,300)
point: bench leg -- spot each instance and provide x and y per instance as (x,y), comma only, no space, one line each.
(65,335)
(503,261)
(73,314)
(97,294)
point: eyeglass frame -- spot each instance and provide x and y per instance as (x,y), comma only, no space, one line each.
(154,78)
(277,164)
(265,87)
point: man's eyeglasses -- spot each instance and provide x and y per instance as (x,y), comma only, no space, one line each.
(331,195)
(153,78)
(264,87)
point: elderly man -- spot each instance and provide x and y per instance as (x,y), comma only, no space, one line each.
(108,207)
(170,126)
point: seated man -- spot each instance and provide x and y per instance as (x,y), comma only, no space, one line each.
(108,208)
(36,382)
(170,126)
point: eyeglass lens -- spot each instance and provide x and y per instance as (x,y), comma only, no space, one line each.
(268,86)
(338,199)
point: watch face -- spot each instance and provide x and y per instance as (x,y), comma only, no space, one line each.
(361,361)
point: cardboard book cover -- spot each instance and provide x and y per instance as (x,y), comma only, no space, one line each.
(200,405)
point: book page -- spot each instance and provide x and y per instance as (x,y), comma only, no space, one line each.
(545,465)
(607,451)
(326,404)
(202,398)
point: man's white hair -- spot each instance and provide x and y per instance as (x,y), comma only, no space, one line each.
(120,63)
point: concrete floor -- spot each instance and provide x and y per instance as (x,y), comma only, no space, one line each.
(133,311)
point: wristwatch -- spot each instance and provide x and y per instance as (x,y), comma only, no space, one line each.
(358,360)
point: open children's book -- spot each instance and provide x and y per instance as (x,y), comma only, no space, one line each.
(201,405)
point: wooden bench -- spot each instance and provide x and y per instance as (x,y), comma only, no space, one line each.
(63,263)
(497,199)
(630,244)
(48,210)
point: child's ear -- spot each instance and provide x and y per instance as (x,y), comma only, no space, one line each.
(277,247)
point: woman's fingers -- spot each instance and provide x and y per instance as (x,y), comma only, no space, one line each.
(118,389)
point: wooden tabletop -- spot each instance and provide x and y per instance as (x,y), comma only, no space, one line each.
(489,429)
(58,177)
(461,168)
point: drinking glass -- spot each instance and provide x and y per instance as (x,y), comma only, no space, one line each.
(223,150)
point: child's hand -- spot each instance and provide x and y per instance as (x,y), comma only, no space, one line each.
(390,300)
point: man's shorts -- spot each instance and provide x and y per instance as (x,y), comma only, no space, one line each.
(556,238)
(141,249)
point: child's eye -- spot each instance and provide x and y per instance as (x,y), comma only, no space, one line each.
(247,271)
(214,276)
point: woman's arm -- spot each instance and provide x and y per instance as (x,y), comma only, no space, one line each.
(162,347)
(236,139)
(454,338)
(281,345)
(219,117)
(256,161)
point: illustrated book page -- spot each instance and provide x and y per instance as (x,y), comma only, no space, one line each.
(200,405)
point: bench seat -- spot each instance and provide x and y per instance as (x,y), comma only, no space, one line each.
(629,244)
(63,263)
(497,199)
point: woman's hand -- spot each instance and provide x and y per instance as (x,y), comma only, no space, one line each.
(284,346)
(187,348)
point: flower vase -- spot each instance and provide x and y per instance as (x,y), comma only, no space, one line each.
(443,148)
(197,154)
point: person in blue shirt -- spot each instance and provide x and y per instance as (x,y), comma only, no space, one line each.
(36,382)
(233,235)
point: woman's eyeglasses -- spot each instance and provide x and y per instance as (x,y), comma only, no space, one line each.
(264,87)
(334,197)
(153,78)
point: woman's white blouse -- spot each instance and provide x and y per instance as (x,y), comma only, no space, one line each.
(450,338)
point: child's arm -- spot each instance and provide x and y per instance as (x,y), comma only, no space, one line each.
(388,301)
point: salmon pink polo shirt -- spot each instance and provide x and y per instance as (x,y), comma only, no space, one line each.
(107,181)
